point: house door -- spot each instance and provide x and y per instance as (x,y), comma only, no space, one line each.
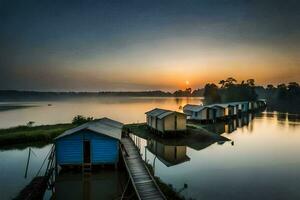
(87,151)
(214,113)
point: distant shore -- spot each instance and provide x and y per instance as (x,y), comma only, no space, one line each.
(5,107)
(16,95)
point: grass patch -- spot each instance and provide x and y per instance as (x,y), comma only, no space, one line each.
(195,137)
(142,130)
(25,134)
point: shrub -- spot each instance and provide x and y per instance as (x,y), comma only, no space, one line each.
(79,119)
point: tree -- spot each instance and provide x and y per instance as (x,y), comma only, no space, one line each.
(188,91)
(251,82)
(282,90)
(270,87)
(293,86)
(222,83)
(30,123)
(211,93)
(293,90)
(198,93)
(183,93)
(79,119)
(229,82)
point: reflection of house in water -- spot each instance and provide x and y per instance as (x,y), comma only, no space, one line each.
(100,185)
(173,151)
(223,127)
(168,154)
(230,125)
(244,120)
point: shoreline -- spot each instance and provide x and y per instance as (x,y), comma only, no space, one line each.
(26,135)
(22,136)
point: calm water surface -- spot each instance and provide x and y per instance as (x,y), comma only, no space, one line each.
(12,169)
(124,109)
(263,162)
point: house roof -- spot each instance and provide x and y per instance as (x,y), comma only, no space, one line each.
(111,122)
(197,108)
(215,106)
(224,105)
(161,113)
(104,126)
(238,102)
(192,107)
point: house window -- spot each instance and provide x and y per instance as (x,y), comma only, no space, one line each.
(196,114)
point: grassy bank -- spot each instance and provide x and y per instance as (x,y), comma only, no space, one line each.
(195,137)
(35,134)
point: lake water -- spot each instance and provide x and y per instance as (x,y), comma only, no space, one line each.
(262,163)
(124,109)
(13,162)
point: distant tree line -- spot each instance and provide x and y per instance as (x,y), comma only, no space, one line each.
(188,92)
(283,91)
(230,90)
(282,98)
(226,90)
(15,95)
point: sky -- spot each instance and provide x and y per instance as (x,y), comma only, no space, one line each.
(58,45)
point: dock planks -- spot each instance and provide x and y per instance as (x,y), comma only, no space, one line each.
(34,190)
(142,180)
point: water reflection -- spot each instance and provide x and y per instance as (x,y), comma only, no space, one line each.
(13,166)
(263,163)
(232,124)
(246,121)
(106,184)
(169,151)
(168,154)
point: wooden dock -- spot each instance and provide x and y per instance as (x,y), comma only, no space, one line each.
(141,178)
(34,190)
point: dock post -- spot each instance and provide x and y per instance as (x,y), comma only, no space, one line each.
(27,164)
(145,155)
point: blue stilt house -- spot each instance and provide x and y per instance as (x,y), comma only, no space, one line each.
(93,143)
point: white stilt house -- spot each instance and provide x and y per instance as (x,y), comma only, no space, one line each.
(197,112)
